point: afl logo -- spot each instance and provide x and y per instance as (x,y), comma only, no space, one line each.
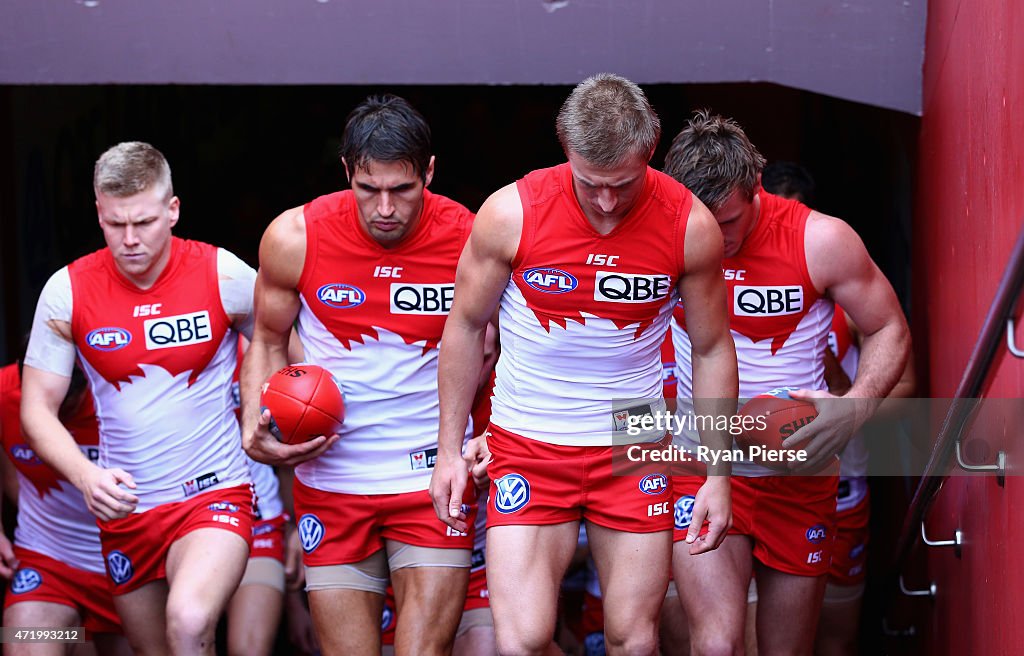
(24,454)
(654,484)
(108,339)
(341,296)
(684,512)
(550,281)
(120,567)
(25,580)
(513,492)
(816,533)
(311,532)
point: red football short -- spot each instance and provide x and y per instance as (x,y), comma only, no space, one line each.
(338,529)
(41,578)
(136,546)
(849,554)
(268,538)
(790,519)
(477,595)
(389,618)
(535,483)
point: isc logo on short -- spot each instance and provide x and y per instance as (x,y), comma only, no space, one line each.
(615,287)
(422,299)
(179,330)
(767,301)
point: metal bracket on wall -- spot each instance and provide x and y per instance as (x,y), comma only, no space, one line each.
(1011,344)
(930,592)
(999,467)
(957,541)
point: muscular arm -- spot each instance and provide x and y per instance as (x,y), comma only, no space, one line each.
(483,273)
(276,306)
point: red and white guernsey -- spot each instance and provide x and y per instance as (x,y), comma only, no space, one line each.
(52,517)
(584,314)
(374,317)
(159,363)
(853,459)
(779,321)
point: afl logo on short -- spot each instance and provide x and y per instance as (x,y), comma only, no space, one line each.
(816,533)
(24,454)
(26,580)
(108,339)
(654,484)
(767,301)
(513,492)
(341,296)
(311,532)
(120,567)
(684,512)
(549,280)
(179,330)
(222,506)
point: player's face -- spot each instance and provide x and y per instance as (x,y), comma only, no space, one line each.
(607,193)
(390,199)
(737,217)
(137,230)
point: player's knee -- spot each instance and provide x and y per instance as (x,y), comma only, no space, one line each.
(633,643)
(719,645)
(514,641)
(189,624)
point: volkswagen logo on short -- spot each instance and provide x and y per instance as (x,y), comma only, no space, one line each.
(311,532)
(387,618)
(513,492)
(25,580)
(684,512)
(120,567)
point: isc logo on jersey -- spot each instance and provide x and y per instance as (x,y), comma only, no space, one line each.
(422,299)
(550,280)
(341,296)
(767,301)
(108,339)
(615,287)
(179,330)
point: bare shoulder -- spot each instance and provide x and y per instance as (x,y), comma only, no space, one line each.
(283,248)
(834,251)
(499,224)
(703,247)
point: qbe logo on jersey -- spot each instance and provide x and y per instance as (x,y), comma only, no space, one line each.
(767,301)
(341,296)
(422,299)
(311,532)
(120,567)
(616,287)
(26,580)
(512,493)
(550,280)
(179,330)
(684,512)
(110,338)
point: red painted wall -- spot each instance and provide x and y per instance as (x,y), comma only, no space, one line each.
(969,209)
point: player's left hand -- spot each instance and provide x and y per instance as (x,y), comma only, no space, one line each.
(8,563)
(838,419)
(294,572)
(477,457)
(447,486)
(713,504)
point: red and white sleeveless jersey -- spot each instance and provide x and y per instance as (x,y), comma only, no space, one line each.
(373,317)
(779,321)
(52,516)
(853,459)
(583,316)
(159,362)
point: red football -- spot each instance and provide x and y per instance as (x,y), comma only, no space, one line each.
(775,416)
(305,401)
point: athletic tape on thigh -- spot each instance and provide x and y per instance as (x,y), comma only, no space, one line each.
(264,571)
(473,618)
(369,575)
(841,594)
(402,555)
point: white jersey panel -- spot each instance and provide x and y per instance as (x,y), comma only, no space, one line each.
(268,492)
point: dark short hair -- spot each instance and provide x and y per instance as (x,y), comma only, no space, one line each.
(789,180)
(386,128)
(713,157)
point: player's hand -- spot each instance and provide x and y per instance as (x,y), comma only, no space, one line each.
(713,504)
(8,563)
(104,495)
(838,419)
(300,624)
(294,572)
(262,446)
(477,457)
(447,485)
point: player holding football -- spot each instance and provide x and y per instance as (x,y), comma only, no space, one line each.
(154,320)
(575,260)
(368,274)
(785,265)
